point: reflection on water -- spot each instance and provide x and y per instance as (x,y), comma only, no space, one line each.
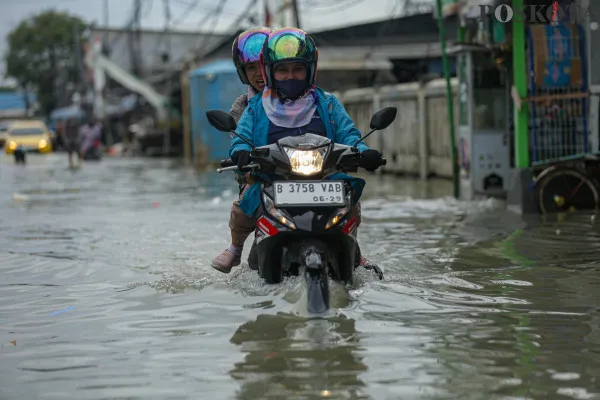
(314,358)
(107,293)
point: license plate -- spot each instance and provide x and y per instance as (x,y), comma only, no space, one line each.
(315,193)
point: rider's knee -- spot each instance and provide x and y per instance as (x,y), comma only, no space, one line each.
(239,221)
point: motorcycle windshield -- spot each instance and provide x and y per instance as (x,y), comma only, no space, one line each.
(306,141)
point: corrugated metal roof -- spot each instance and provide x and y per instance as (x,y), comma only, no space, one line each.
(379,32)
(409,37)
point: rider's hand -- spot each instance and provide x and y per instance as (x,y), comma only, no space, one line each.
(241,158)
(370,160)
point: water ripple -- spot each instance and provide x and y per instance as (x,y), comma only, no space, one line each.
(107,293)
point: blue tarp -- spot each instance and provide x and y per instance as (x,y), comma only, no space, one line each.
(216,67)
(126,104)
(15,100)
(212,86)
(67,112)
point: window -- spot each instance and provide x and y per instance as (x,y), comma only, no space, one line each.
(26,132)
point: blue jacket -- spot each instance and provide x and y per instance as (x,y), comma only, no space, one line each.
(254,126)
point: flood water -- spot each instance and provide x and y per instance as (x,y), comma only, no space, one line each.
(106,293)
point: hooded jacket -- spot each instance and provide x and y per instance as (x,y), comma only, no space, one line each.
(254,126)
(254,123)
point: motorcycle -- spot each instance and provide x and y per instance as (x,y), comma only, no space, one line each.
(93,153)
(306,224)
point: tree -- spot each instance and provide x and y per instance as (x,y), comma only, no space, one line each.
(41,51)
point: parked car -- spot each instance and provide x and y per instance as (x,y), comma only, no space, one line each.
(4,131)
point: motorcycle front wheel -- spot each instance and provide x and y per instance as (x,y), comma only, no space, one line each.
(317,286)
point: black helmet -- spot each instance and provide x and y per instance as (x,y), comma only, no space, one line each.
(246,49)
(289,45)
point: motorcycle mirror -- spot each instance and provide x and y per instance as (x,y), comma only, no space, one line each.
(224,122)
(221,120)
(383,118)
(380,120)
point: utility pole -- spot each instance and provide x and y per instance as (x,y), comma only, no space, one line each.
(79,61)
(138,38)
(449,99)
(105,37)
(105,14)
(106,127)
(280,13)
(134,35)
(54,93)
(296,13)
(80,86)
(167,61)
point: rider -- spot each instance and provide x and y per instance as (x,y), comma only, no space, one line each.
(245,53)
(290,105)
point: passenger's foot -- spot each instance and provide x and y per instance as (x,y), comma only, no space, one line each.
(369,266)
(228,259)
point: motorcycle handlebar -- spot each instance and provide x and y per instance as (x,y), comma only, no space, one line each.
(229,165)
(245,168)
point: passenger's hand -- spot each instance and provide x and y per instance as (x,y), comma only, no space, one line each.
(241,158)
(370,160)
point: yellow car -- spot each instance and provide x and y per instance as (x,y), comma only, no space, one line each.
(4,125)
(31,136)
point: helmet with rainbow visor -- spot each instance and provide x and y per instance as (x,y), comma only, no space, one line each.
(289,45)
(246,49)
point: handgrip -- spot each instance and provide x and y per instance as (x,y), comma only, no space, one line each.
(245,168)
(227,163)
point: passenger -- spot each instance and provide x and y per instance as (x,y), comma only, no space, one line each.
(245,53)
(246,58)
(290,105)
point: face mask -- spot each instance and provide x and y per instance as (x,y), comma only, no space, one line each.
(291,88)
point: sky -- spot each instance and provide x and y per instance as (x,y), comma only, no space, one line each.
(315,15)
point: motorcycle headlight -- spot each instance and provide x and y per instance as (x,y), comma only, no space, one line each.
(12,145)
(43,143)
(306,162)
(275,213)
(341,213)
